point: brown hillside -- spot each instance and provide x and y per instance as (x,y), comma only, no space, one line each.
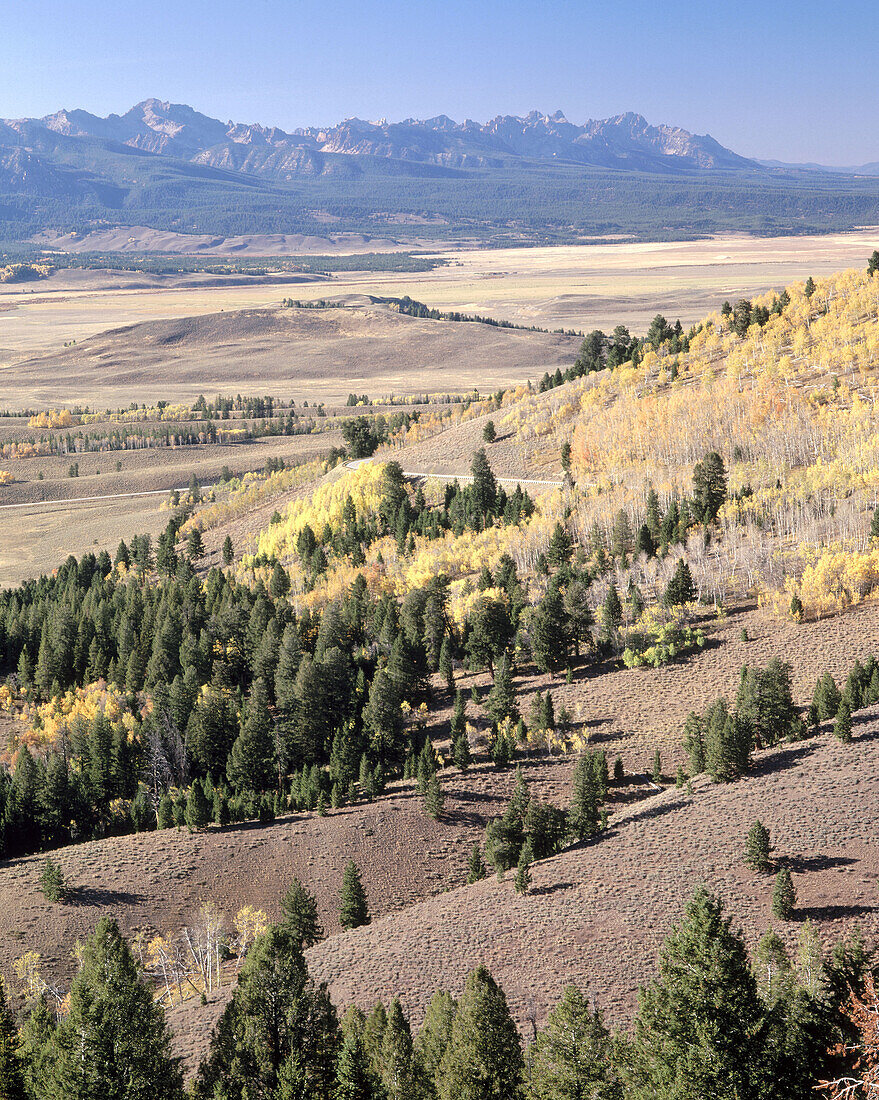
(597,913)
(157,880)
(309,354)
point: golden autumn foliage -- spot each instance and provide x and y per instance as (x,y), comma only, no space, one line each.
(46,722)
(53,418)
(385,569)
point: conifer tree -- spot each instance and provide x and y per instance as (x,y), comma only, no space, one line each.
(826,698)
(694,743)
(476,869)
(656,773)
(373,1032)
(757,847)
(500,703)
(842,725)
(484,487)
(278,1036)
(784,895)
(354,1077)
(583,813)
(195,546)
(728,743)
(550,637)
(198,810)
(353,909)
(698,1022)
(399,1071)
(611,614)
(461,751)
(446,670)
(432,1040)
(558,552)
(547,712)
(12,1085)
(572,1057)
(709,486)
(228,551)
(165,812)
(52,881)
(645,543)
(483,1059)
(680,588)
(114,1041)
(251,764)
(434,799)
(426,764)
(522,882)
(299,915)
(221,807)
(382,716)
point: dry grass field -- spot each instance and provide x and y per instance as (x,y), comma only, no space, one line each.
(45,520)
(579,286)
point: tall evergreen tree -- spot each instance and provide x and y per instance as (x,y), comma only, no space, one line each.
(475,866)
(114,1041)
(432,1040)
(198,810)
(784,895)
(842,725)
(299,915)
(484,485)
(697,1032)
(680,588)
(550,637)
(583,814)
(611,614)
(483,1059)
(12,1085)
(353,908)
(572,1057)
(757,847)
(709,486)
(252,760)
(383,718)
(501,700)
(278,1036)
(354,1077)
(400,1075)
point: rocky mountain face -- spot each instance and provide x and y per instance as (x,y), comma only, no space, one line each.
(178,131)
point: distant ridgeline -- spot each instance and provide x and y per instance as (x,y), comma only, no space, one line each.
(535,179)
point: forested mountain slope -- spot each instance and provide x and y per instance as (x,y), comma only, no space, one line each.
(379,654)
(166,166)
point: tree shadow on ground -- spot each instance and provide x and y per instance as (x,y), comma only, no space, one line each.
(553,888)
(651,812)
(832,912)
(101,896)
(803,864)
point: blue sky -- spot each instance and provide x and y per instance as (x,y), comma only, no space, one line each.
(791,80)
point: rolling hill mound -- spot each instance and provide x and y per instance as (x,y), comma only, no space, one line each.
(307,354)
